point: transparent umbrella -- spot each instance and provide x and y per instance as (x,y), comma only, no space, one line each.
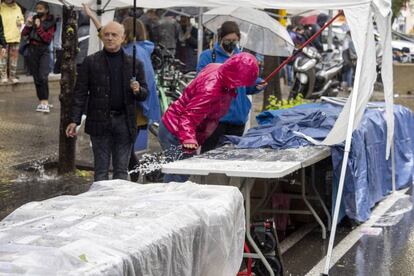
(259,32)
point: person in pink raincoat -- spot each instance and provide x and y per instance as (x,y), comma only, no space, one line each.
(191,119)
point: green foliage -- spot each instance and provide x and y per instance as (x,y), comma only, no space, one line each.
(396,7)
(275,104)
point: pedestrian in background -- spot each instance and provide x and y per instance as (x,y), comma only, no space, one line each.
(349,57)
(233,123)
(187,44)
(168,33)
(12,20)
(104,81)
(39,31)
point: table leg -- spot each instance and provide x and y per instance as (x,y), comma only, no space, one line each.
(315,215)
(246,190)
(262,201)
(318,196)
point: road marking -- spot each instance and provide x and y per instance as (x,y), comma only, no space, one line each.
(353,237)
(297,236)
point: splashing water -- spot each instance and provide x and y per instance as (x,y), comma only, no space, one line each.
(150,163)
(38,167)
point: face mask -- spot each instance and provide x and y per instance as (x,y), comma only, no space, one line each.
(229,46)
(40,14)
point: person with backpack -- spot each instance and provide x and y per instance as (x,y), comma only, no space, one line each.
(233,123)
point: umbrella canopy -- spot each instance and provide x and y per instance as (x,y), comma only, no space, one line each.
(259,32)
(55,7)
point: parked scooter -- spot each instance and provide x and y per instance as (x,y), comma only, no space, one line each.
(316,75)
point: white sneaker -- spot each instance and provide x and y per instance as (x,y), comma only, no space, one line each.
(4,81)
(43,108)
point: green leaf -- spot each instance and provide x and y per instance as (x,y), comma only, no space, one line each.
(83,258)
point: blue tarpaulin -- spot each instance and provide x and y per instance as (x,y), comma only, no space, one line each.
(368,177)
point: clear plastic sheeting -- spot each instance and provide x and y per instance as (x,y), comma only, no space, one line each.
(124,228)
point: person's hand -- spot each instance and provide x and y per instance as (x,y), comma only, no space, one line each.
(37,23)
(135,87)
(87,9)
(3,51)
(261,86)
(71,130)
(29,21)
(190,146)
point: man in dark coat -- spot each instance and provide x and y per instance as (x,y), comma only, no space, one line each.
(105,80)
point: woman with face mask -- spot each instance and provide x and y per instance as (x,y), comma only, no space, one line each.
(233,123)
(12,19)
(39,31)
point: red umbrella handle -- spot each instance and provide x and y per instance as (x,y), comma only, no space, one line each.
(312,38)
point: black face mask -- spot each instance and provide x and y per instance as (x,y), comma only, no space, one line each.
(40,14)
(229,46)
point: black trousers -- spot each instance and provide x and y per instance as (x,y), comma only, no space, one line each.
(38,62)
(222,129)
(116,144)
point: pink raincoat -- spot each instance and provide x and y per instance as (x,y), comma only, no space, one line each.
(196,114)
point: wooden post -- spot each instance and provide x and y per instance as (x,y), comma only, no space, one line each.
(67,146)
(273,88)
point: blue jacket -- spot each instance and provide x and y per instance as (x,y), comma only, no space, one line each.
(240,106)
(151,106)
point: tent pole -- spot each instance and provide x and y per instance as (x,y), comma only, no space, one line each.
(348,141)
(342,178)
(200,33)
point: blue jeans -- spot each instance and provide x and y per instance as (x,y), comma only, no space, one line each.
(116,144)
(347,76)
(171,143)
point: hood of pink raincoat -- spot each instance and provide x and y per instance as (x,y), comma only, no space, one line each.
(239,70)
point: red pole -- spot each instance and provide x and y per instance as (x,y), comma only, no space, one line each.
(289,59)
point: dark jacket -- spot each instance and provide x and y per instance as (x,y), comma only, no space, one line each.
(42,35)
(2,38)
(93,84)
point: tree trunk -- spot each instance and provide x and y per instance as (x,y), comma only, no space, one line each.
(273,88)
(67,146)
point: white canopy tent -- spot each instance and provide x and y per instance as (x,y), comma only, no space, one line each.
(359,15)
